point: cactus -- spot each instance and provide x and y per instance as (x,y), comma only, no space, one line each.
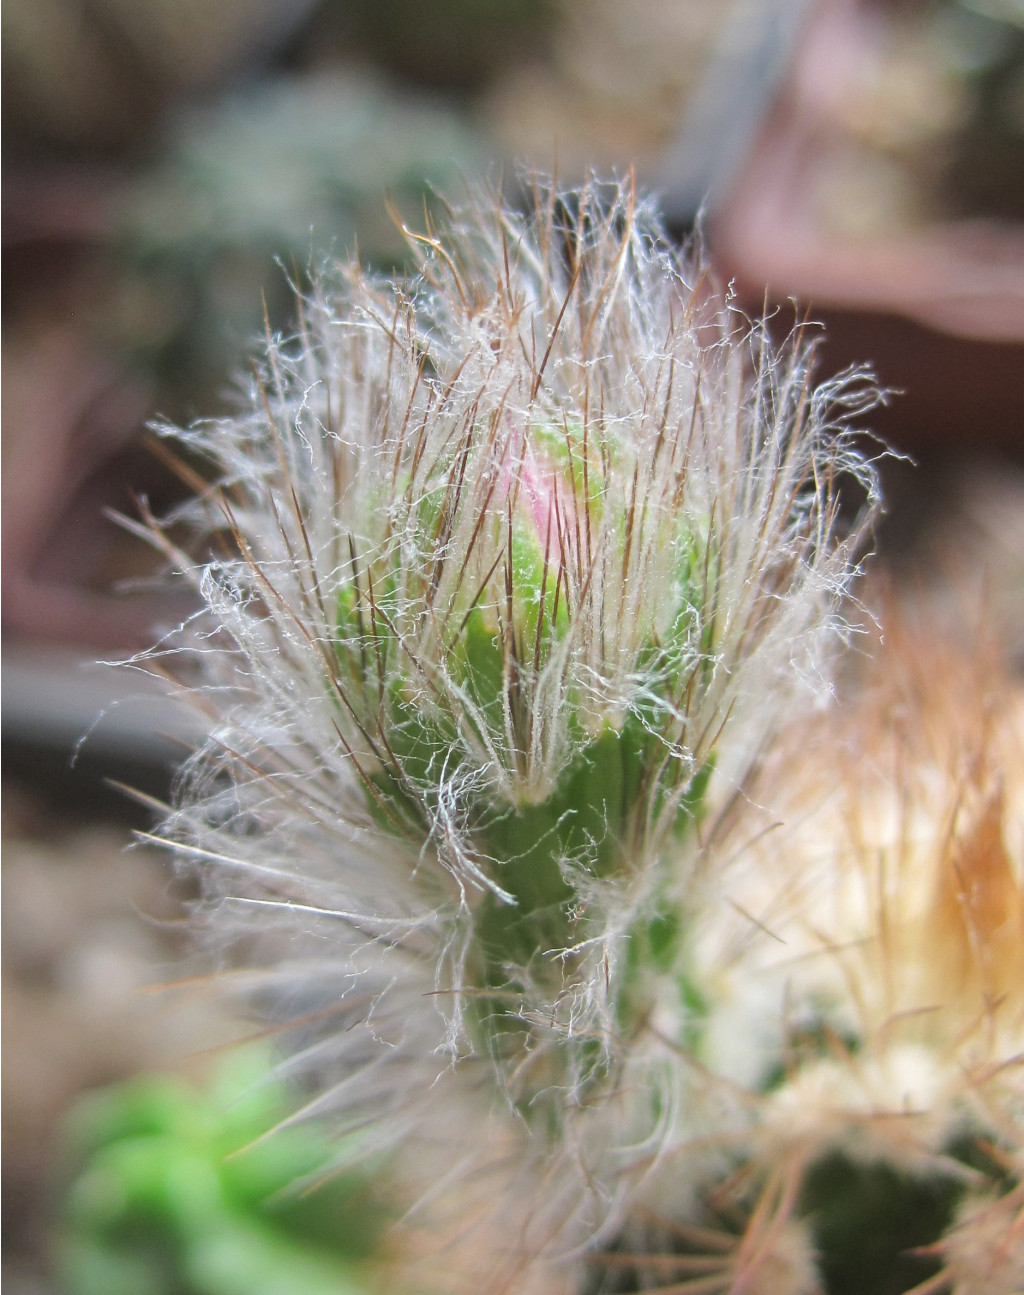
(518,569)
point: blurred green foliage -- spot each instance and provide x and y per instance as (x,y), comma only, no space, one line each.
(179,1192)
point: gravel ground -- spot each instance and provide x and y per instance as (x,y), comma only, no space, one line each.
(91,929)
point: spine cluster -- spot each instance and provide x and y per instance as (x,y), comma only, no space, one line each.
(515,569)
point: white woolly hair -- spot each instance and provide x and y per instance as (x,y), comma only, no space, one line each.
(557,426)
(874,942)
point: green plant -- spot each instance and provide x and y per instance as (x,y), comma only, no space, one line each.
(523,565)
(181,1191)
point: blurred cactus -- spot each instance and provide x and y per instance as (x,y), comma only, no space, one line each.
(254,192)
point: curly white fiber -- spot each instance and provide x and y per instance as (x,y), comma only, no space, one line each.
(525,559)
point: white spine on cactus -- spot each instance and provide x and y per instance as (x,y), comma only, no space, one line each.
(554,454)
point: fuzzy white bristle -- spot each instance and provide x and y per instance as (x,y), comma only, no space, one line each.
(551,498)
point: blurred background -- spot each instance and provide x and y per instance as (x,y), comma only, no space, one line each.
(173,167)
